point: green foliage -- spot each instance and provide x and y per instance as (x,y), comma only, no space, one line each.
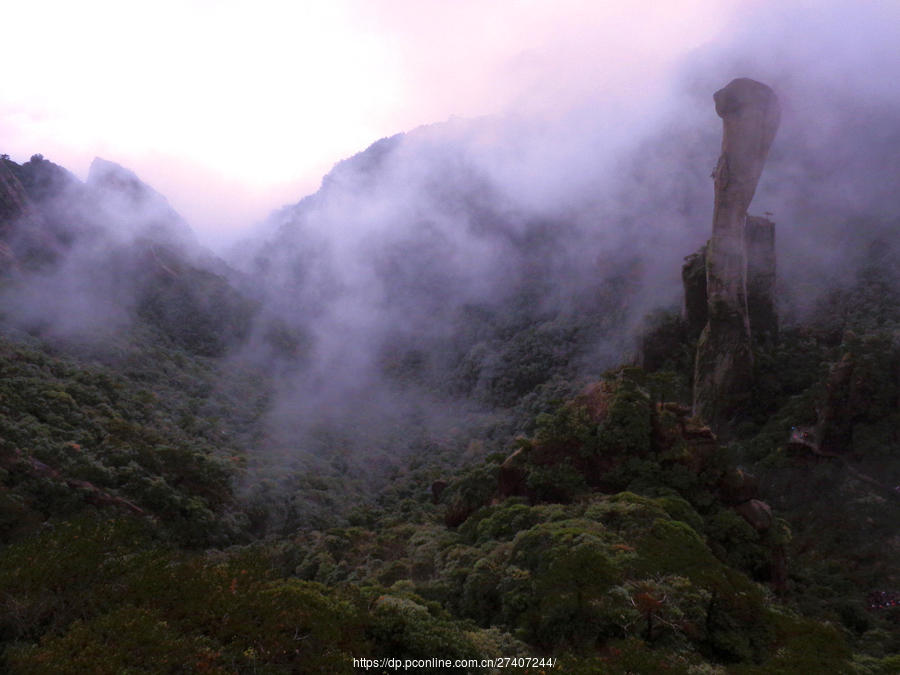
(619,551)
(735,541)
(667,346)
(680,509)
(195,308)
(867,665)
(74,437)
(556,483)
(571,567)
(52,578)
(501,522)
(871,419)
(502,371)
(570,428)
(127,639)
(801,646)
(673,547)
(627,427)
(96,590)
(402,627)
(633,655)
(469,492)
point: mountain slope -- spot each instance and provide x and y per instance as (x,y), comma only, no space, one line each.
(403,428)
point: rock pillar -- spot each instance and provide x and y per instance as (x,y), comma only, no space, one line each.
(750,114)
(759,243)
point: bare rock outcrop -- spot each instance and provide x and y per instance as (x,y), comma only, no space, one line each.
(738,259)
(757,513)
(693,277)
(759,244)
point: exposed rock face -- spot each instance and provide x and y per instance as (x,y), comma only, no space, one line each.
(750,114)
(859,412)
(759,243)
(513,475)
(757,513)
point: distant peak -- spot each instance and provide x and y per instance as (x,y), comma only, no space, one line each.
(106,173)
(121,191)
(110,177)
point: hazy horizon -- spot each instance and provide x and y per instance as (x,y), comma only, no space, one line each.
(245,110)
(232,110)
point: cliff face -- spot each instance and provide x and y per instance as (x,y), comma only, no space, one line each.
(739,259)
(759,245)
(22,226)
(693,277)
(14,203)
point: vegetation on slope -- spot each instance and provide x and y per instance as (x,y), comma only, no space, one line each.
(148,523)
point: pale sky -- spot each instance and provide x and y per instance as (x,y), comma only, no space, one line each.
(232,108)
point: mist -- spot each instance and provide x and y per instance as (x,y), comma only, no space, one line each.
(491,383)
(442,276)
(574,219)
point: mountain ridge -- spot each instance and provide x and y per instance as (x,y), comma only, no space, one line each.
(403,427)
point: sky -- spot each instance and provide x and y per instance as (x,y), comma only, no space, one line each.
(232,108)
(604,131)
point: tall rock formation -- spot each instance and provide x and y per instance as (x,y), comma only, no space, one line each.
(759,243)
(739,259)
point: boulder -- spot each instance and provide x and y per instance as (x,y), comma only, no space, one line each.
(757,513)
(738,487)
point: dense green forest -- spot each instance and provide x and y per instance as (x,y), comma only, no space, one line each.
(192,481)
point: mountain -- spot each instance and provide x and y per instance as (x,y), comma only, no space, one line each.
(90,259)
(123,198)
(442,408)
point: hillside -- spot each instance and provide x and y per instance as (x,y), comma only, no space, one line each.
(444,408)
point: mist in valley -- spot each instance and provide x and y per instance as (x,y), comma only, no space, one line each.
(409,277)
(450,279)
(475,395)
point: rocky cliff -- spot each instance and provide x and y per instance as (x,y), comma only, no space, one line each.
(735,271)
(45,210)
(19,220)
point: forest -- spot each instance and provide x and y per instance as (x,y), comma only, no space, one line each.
(430,412)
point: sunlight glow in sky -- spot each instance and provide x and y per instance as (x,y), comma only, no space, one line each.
(234,107)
